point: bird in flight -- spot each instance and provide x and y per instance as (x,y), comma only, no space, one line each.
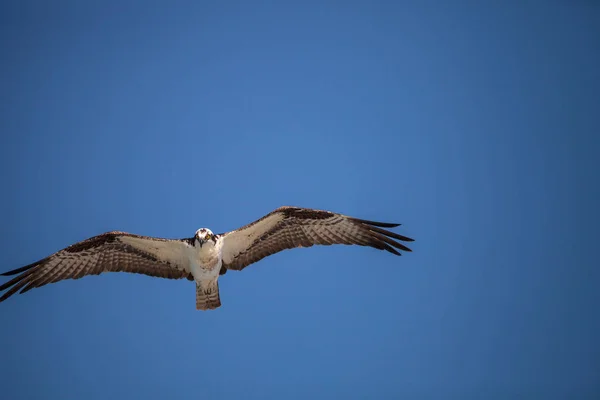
(205,256)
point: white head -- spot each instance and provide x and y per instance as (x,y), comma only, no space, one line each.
(204,235)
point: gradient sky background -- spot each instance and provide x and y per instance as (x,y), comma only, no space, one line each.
(476,127)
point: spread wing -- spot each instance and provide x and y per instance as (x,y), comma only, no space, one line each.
(289,227)
(109,252)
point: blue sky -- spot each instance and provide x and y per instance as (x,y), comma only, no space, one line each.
(474,126)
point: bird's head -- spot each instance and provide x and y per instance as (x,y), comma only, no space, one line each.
(204,235)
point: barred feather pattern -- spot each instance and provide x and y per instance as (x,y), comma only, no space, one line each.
(102,253)
(207,296)
(291,227)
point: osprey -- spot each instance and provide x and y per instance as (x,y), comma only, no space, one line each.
(205,256)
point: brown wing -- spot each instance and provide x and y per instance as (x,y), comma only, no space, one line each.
(109,252)
(289,227)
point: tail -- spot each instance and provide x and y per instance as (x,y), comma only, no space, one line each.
(207,295)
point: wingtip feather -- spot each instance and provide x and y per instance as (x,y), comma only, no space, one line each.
(392,250)
(376,223)
(19,270)
(13,289)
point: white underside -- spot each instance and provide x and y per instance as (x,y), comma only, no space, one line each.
(238,241)
(204,263)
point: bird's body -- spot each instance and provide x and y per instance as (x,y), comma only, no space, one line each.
(206,256)
(205,265)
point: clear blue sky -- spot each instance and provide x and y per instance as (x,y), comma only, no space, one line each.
(476,127)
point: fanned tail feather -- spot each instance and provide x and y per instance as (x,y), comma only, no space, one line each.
(207,296)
